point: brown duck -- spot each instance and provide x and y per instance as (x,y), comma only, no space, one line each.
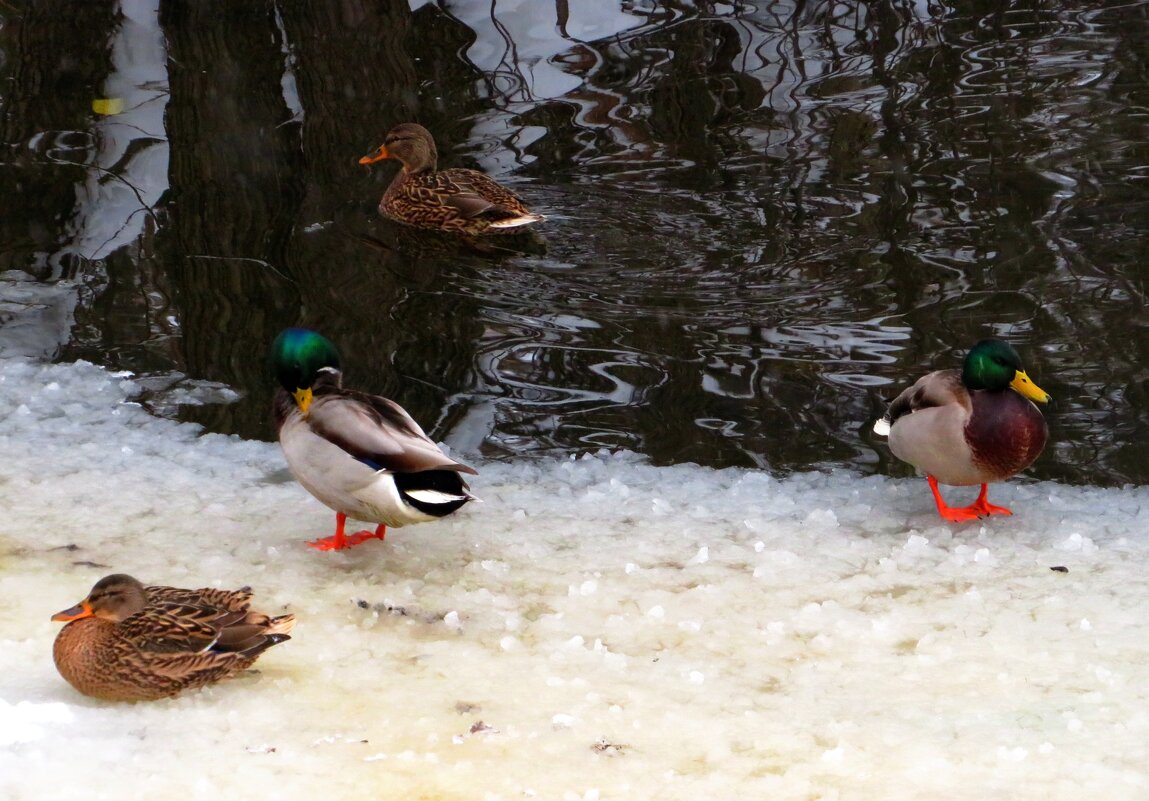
(128,642)
(458,200)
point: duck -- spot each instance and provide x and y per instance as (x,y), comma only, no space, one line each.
(130,642)
(977,425)
(458,200)
(361,455)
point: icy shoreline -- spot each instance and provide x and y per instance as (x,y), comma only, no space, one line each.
(597,629)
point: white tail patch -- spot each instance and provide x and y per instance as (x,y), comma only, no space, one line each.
(432,496)
(515,222)
(882,427)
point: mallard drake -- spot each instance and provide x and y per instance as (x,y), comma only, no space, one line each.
(457,200)
(972,426)
(362,455)
(128,642)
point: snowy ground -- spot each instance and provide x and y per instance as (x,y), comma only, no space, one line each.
(597,629)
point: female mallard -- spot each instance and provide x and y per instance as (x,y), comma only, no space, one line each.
(458,200)
(128,642)
(969,427)
(361,455)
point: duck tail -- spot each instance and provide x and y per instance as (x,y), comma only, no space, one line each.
(518,221)
(281,625)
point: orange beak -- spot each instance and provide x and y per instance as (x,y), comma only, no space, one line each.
(378,155)
(80,610)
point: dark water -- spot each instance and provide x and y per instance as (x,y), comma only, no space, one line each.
(763,219)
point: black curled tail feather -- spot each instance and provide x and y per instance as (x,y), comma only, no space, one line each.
(444,482)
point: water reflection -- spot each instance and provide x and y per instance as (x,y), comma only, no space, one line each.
(762,218)
(126,158)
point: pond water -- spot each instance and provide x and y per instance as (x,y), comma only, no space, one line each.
(763,220)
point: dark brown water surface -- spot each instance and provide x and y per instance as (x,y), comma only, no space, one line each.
(763,219)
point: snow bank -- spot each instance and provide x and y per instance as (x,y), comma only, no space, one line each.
(597,629)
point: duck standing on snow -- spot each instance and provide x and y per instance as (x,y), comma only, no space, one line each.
(362,455)
(458,200)
(970,426)
(128,642)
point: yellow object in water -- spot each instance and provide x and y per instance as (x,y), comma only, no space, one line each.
(108,106)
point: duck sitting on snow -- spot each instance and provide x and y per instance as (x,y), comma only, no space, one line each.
(362,455)
(972,426)
(457,201)
(128,642)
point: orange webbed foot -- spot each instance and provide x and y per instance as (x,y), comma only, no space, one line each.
(340,541)
(961,514)
(983,508)
(331,543)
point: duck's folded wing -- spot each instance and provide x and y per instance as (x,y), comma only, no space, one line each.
(934,389)
(174,628)
(234,600)
(379,433)
(475,194)
(471,205)
(450,188)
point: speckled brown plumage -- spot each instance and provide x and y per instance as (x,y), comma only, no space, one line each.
(128,642)
(458,200)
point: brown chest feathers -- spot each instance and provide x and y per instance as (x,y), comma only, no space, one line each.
(1005,432)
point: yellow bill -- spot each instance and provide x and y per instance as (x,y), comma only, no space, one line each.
(303,399)
(1029,389)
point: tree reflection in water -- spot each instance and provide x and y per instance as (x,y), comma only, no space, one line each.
(762,220)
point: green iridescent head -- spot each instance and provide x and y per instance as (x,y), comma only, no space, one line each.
(994,365)
(297,356)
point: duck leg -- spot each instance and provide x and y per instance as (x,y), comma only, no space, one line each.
(339,540)
(984,508)
(959,514)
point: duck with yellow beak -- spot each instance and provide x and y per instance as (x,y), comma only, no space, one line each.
(971,426)
(362,455)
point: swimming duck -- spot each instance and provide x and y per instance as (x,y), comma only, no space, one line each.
(972,426)
(362,455)
(457,200)
(128,642)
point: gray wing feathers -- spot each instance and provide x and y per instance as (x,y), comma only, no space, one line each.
(938,388)
(384,436)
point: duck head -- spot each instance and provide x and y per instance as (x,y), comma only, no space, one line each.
(994,365)
(409,143)
(298,358)
(115,598)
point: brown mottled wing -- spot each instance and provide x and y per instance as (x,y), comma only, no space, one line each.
(231,600)
(132,675)
(184,671)
(377,432)
(450,198)
(476,194)
(934,389)
(174,628)
(470,205)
